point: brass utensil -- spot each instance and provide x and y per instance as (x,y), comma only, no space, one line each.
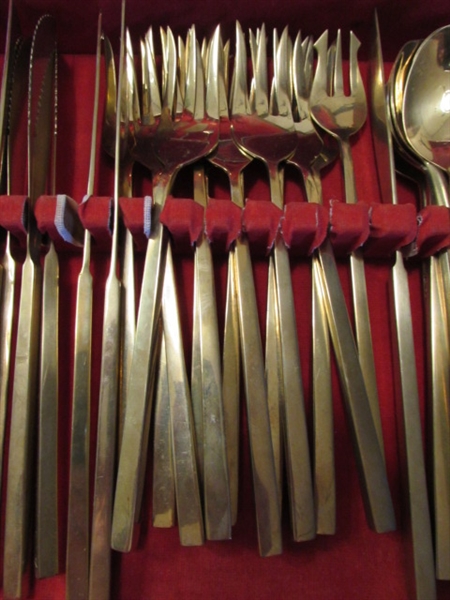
(16,60)
(408,400)
(340,111)
(343,116)
(47,527)
(426,128)
(78,521)
(272,139)
(25,382)
(304,158)
(105,462)
(163,144)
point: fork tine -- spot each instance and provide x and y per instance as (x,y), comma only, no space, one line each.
(181,65)
(145,95)
(169,70)
(191,70)
(151,98)
(261,100)
(338,80)
(239,98)
(308,62)
(134,112)
(356,83)
(226,58)
(331,59)
(319,85)
(199,108)
(282,75)
(215,83)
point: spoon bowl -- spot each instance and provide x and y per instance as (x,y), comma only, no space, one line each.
(426,100)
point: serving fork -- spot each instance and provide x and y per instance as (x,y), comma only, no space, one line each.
(341,116)
(272,139)
(230,158)
(163,143)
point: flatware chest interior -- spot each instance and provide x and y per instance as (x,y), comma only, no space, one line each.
(224,309)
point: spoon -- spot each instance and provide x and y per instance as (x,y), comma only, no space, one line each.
(423,121)
(426,100)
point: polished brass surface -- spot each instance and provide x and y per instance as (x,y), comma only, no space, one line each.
(26,365)
(408,393)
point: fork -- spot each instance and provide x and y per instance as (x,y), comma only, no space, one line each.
(165,144)
(341,116)
(272,139)
(233,161)
(310,148)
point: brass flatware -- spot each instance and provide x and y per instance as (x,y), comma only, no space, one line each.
(78,521)
(105,462)
(164,144)
(47,526)
(408,402)
(362,413)
(16,60)
(26,371)
(426,130)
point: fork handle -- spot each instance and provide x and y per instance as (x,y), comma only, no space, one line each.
(370,463)
(348,171)
(268,514)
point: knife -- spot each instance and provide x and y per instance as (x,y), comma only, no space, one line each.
(12,94)
(47,550)
(39,130)
(407,398)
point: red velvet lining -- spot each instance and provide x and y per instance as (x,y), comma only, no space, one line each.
(391,227)
(223,223)
(304,227)
(349,226)
(434,230)
(13,216)
(379,229)
(184,218)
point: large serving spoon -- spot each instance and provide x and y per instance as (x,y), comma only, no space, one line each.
(425,126)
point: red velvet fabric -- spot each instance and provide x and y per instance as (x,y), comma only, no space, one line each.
(433,234)
(354,564)
(13,216)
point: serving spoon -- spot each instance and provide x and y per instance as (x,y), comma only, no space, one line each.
(422,122)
